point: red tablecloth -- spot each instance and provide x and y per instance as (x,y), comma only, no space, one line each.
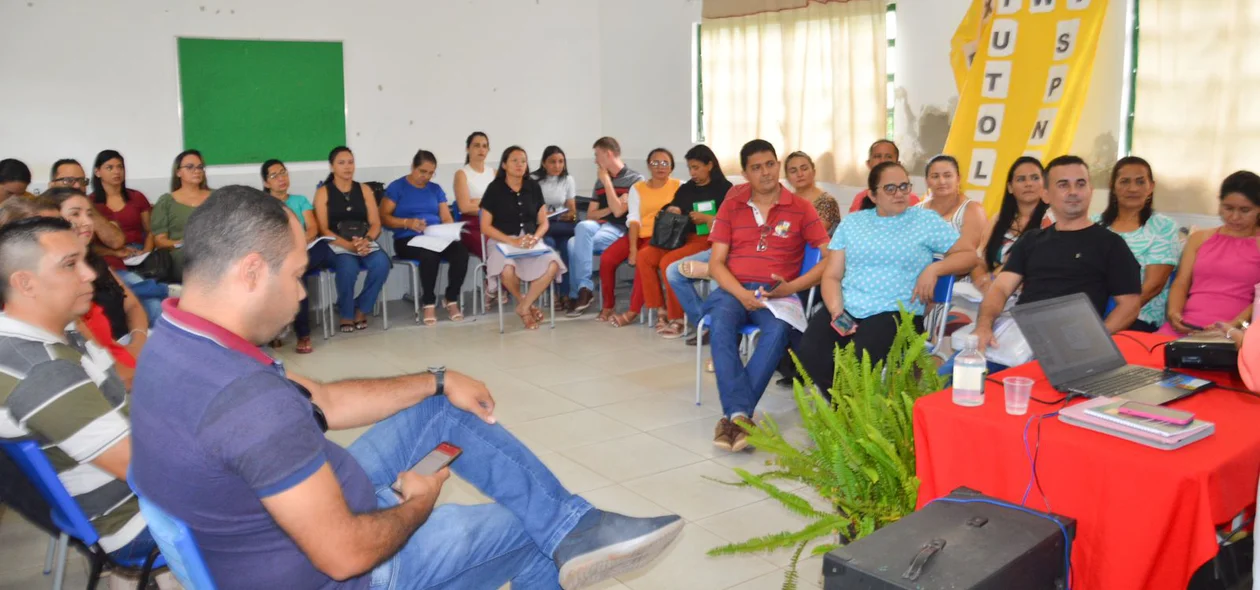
(1146,518)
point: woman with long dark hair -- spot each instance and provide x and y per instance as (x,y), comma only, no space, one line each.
(470,185)
(559,190)
(1023,208)
(1154,239)
(169,216)
(116,318)
(512,214)
(698,199)
(346,212)
(1220,267)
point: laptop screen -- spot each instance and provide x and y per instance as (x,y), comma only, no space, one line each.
(1068,338)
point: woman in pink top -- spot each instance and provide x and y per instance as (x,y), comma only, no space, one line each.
(1220,267)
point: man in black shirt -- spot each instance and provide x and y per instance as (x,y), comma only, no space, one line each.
(1074,255)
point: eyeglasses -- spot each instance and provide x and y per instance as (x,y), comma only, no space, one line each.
(659,163)
(70,181)
(895,188)
(765,233)
(191,167)
(275,175)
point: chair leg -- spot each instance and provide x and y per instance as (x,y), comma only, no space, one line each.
(551,296)
(52,551)
(59,573)
(147,570)
(500,300)
(699,359)
(98,563)
(415,288)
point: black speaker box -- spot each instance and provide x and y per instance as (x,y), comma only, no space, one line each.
(965,541)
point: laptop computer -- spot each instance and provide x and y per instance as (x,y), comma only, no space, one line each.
(1078,355)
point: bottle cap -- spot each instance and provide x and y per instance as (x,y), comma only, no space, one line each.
(972,341)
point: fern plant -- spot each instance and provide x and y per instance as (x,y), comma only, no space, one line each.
(860,457)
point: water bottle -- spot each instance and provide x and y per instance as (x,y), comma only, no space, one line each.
(969,371)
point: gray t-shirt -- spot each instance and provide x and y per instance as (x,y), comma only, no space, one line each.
(622,182)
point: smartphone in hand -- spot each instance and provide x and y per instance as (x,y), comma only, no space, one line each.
(438,458)
(844,324)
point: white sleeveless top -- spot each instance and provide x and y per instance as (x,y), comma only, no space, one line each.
(959,214)
(478,181)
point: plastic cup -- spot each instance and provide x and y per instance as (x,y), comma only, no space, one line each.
(1018,390)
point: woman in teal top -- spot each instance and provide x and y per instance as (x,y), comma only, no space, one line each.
(880,260)
(1154,239)
(275,179)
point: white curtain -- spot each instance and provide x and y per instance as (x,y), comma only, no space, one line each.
(1197,109)
(810,79)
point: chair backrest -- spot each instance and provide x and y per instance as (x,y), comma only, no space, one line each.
(812,257)
(66,513)
(176,541)
(944,292)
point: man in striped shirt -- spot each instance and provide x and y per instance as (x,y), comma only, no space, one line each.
(60,389)
(759,239)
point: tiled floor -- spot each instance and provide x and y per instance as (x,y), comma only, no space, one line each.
(610,411)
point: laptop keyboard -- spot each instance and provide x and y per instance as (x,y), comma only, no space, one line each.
(1122,381)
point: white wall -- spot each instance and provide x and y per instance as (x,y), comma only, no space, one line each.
(646,56)
(418,74)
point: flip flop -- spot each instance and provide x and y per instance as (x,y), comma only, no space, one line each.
(304,346)
(694,270)
(347,327)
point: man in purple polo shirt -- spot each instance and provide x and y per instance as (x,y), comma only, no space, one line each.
(227,441)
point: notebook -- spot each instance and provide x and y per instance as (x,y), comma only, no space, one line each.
(1078,415)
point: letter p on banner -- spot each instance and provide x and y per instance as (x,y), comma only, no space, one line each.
(1024,88)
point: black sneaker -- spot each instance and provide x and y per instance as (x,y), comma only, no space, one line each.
(693,340)
(606,544)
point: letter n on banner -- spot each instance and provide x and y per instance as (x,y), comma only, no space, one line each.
(1023,88)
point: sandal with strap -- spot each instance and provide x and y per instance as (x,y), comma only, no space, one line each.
(537,313)
(624,319)
(304,346)
(454,312)
(527,319)
(662,322)
(347,327)
(694,270)
(675,330)
(430,315)
(605,315)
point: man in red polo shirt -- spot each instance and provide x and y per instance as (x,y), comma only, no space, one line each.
(759,239)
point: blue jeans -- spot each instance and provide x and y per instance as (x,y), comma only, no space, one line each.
(483,546)
(150,293)
(685,288)
(740,387)
(589,238)
(137,550)
(558,235)
(347,267)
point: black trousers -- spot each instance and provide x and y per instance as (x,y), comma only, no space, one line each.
(430,262)
(874,335)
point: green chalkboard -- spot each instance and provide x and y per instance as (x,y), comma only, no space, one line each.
(246,101)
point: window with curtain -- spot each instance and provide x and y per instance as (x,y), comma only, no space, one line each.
(810,78)
(1196,112)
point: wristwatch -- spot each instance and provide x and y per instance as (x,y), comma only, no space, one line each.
(439,375)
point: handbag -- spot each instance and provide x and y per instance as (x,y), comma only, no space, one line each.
(159,266)
(351,229)
(669,232)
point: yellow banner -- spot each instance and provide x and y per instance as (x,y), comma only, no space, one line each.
(1024,68)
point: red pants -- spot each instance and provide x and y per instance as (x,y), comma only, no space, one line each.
(617,253)
(471,238)
(652,262)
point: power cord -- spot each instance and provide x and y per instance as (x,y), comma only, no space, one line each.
(1055,402)
(1067,539)
(1139,342)
(1033,454)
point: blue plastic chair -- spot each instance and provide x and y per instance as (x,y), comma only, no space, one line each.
(176,541)
(749,332)
(68,516)
(943,296)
